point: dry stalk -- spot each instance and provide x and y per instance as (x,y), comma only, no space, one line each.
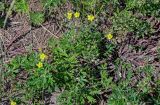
(49,31)
(8,13)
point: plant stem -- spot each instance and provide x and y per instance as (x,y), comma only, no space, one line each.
(8,13)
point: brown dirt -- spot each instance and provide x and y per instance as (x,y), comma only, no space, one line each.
(20,37)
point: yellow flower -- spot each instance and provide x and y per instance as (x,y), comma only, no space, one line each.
(13,103)
(109,36)
(76,14)
(40,65)
(42,56)
(69,15)
(90,17)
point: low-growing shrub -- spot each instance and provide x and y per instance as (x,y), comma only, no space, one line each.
(84,64)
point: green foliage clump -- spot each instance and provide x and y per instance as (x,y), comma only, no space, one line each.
(76,69)
(127,91)
(76,59)
(37,18)
(21,6)
(125,22)
(32,81)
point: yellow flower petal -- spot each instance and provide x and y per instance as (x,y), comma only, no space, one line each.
(109,36)
(69,15)
(42,56)
(13,103)
(40,65)
(90,17)
(76,14)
